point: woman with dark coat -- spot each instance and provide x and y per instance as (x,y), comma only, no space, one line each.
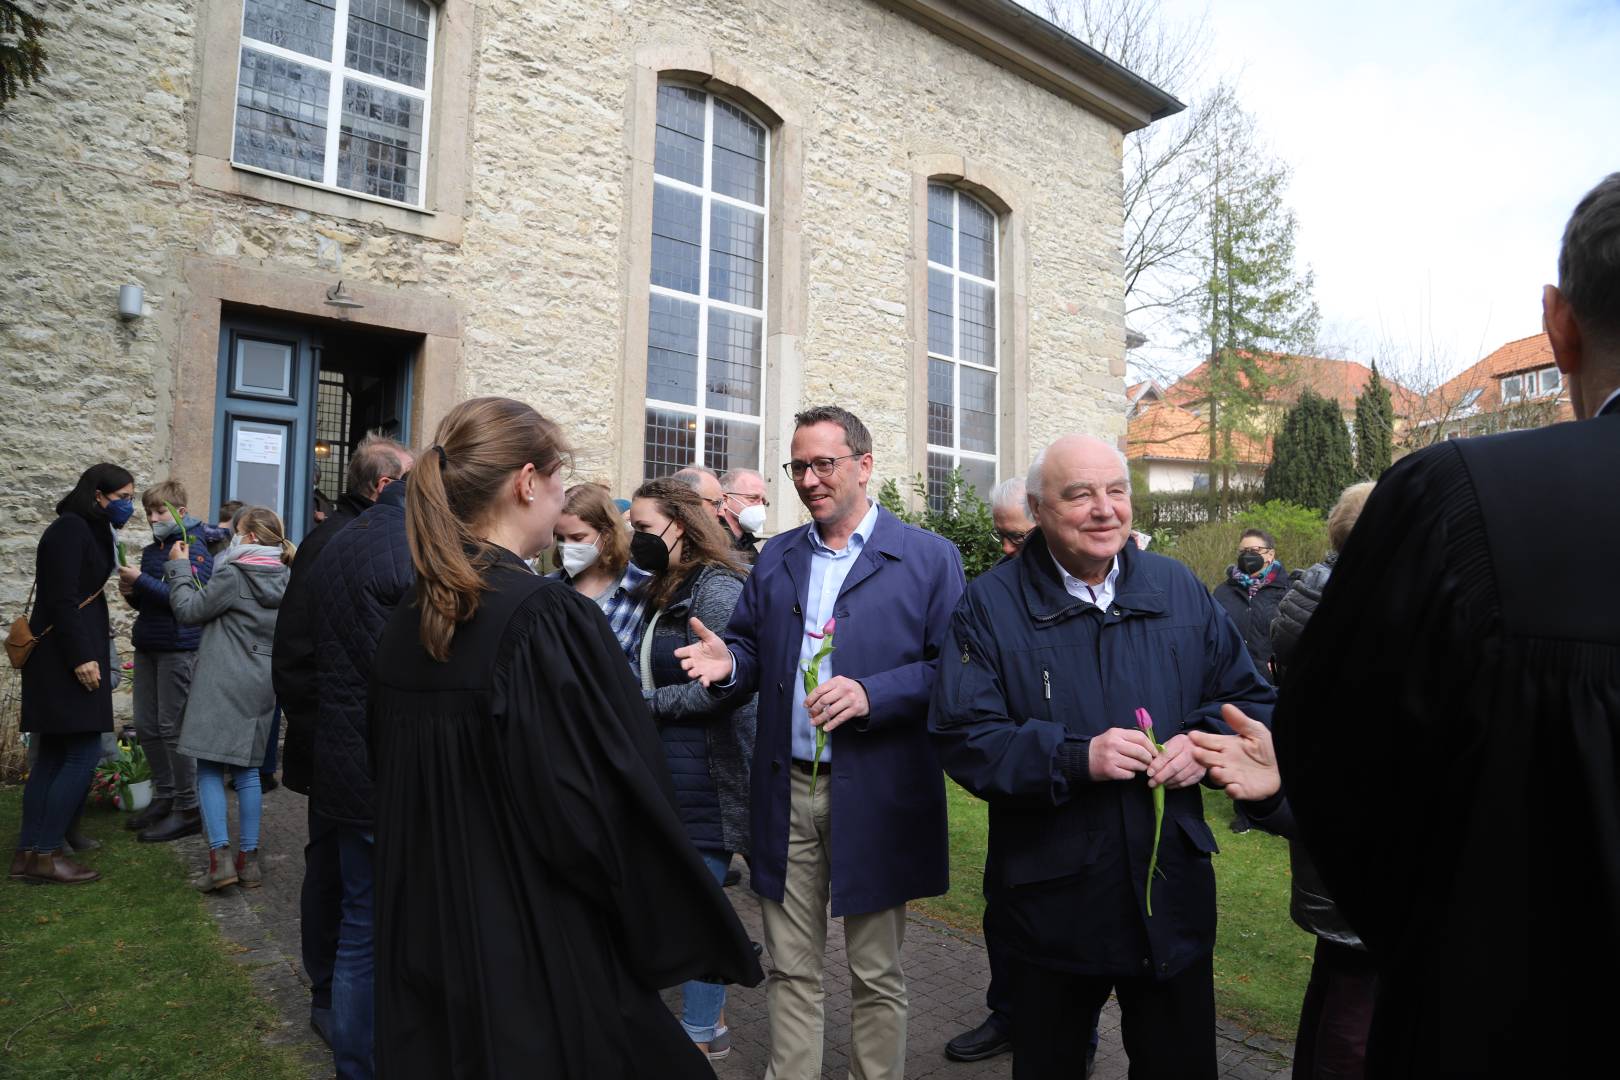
(66,687)
(708,741)
(1254,586)
(534,887)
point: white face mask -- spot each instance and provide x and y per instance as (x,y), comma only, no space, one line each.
(752,519)
(576,557)
(237,540)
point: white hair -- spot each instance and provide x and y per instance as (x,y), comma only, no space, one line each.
(1032,484)
(731,476)
(1009,495)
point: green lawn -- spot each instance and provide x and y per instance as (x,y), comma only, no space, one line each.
(1262,960)
(125,977)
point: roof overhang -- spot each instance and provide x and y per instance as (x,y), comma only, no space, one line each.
(1021,41)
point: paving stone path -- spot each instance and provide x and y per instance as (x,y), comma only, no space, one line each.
(946,975)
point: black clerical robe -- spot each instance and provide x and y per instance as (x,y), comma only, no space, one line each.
(1448,742)
(534,887)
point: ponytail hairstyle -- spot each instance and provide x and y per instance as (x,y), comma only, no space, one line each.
(454,486)
(702,541)
(266,526)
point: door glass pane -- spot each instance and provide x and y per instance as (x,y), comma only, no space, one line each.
(263,367)
(672,334)
(940,310)
(671,438)
(737,255)
(941,430)
(978,410)
(735,348)
(731,444)
(259,464)
(677,238)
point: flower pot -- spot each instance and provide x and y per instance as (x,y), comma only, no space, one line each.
(140,795)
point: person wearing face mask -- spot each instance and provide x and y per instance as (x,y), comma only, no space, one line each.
(708,742)
(66,687)
(1255,584)
(165,658)
(536,887)
(593,546)
(744,510)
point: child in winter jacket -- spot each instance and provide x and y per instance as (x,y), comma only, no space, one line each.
(228,713)
(165,654)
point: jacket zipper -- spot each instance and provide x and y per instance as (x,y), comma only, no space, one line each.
(1046,682)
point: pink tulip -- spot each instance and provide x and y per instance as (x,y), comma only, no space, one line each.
(826,631)
(1144,721)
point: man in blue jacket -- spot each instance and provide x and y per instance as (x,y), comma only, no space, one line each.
(1051,655)
(873,833)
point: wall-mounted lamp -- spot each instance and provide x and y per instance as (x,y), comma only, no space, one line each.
(131,301)
(338,298)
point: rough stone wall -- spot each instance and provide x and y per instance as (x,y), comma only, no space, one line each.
(96,165)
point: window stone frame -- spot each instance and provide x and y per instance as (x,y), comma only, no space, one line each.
(780,112)
(1007,199)
(445,158)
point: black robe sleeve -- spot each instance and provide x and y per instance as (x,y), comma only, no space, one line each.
(1376,767)
(578,735)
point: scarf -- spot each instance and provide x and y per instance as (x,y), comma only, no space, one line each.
(1254,584)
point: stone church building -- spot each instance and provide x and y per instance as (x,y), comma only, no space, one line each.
(668,225)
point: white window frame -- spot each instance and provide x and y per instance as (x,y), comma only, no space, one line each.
(336,73)
(955,451)
(1518,383)
(701,413)
(1541,381)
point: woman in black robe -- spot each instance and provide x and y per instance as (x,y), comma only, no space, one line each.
(535,889)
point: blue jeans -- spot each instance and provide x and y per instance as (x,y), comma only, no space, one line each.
(353,990)
(320,909)
(56,787)
(702,1002)
(211,798)
(271,750)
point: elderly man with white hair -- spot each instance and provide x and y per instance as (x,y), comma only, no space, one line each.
(1061,659)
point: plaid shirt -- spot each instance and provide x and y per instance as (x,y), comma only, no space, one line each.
(625,606)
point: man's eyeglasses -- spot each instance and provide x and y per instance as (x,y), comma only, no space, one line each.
(748,498)
(1016,539)
(824,466)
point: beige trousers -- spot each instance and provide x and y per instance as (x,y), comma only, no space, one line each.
(796,936)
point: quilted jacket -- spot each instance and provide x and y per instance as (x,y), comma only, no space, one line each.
(362,575)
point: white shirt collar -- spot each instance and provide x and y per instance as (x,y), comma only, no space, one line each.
(1101,595)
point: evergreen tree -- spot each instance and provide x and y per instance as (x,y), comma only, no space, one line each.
(1310,461)
(22,58)
(1253,302)
(1375,428)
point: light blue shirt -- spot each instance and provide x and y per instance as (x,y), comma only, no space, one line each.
(828,569)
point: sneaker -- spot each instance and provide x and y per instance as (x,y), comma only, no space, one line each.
(719,1046)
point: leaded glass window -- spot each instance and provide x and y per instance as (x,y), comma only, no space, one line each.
(964,352)
(336,93)
(706,297)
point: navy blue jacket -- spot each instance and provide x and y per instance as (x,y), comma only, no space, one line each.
(355,585)
(888,797)
(1032,675)
(155,629)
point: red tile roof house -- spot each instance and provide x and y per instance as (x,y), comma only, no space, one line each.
(1517,386)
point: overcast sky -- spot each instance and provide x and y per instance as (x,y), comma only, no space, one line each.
(1437,149)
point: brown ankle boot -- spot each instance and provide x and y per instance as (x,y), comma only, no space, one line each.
(221,870)
(247,869)
(50,868)
(19,864)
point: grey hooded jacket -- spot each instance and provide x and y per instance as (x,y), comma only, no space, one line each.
(229,709)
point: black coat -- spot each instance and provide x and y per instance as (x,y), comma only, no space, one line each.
(1030,677)
(1252,615)
(292,667)
(361,577)
(1449,738)
(535,888)
(74,560)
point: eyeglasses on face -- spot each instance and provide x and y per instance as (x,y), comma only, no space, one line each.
(824,466)
(748,498)
(1016,539)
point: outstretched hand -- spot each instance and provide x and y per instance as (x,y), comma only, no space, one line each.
(1244,763)
(707,660)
